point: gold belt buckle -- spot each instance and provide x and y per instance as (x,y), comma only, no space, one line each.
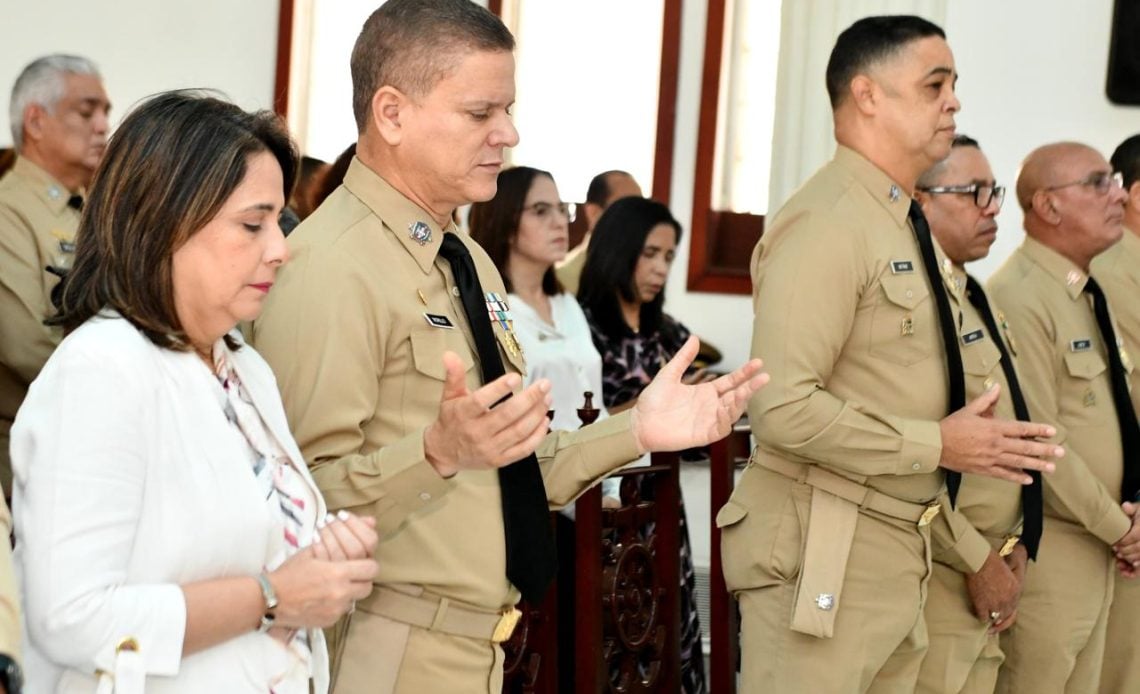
(508,620)
(1010,543)
(929,514)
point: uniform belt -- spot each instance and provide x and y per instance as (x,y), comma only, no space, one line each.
(858,494)
(437,613)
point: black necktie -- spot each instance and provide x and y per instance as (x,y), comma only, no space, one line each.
(1125,413)
(949,333)
(75,202)
(531,558)
(1032,504)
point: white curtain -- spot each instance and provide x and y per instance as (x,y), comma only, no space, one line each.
(803,137)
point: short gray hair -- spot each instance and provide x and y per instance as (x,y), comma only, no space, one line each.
(41,82)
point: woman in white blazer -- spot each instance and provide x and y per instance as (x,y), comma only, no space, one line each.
(168,534)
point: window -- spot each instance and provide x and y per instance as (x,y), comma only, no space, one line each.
(587,87)
(317,100)
(734,142)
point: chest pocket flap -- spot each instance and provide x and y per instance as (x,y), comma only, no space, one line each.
(1086,365)
(907,291)
(981,357)
(428,346)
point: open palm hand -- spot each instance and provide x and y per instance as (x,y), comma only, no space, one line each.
(672,416)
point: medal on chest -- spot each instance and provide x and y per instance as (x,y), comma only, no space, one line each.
(499,312)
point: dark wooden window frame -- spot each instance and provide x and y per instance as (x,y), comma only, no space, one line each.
(722,241)
(666,90)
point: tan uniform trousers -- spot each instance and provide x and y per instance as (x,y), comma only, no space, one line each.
(382,656)
(1057,643)
(963,658)
(1120,673)
(880,636)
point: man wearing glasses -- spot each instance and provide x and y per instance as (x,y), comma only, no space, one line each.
(1072,367)
(1118,271)
(965,610)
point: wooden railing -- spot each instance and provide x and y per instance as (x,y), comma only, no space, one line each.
(616,628)
(726,456)
(623,633)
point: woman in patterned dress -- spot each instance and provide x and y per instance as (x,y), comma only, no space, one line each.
(622,292)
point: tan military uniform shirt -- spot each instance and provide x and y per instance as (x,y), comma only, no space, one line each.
(1118,272)
(992,506)
(37,229)
(352,330)
(848,329)
(1066,384)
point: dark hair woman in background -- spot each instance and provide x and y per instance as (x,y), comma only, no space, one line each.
(622,292)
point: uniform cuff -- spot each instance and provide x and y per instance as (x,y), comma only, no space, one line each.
(968,553)
(612,445)
(1112,527)
(921,448)
(410,482)
(573,461)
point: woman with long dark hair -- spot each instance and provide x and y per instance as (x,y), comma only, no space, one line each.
(622,292)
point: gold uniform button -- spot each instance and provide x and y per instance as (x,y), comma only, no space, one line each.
(455,291)
(916,466)
(424,496)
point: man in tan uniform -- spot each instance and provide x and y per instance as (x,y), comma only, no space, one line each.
(965,611)
(604,189)
(1118,271)
(1073,210)
(59,122)
(827,538)
(380,348)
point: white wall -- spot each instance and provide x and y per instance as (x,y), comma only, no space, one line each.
(726,321)
(1033,72)
(147,46)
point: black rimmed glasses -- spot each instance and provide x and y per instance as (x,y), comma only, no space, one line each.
(984,193)
(1100,181)
(545,210)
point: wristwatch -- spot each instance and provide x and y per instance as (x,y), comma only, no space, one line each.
(267,592)
(10,675)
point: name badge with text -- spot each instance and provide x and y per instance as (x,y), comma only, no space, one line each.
(437,321)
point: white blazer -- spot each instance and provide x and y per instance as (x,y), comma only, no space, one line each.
(129,481)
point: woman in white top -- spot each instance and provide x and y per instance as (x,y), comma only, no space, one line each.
(525,230)
(168,534)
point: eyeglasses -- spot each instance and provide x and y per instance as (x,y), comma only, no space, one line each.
(1100,181)
(984,193)
(545,210)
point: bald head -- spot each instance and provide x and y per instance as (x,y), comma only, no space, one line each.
(1049,165)
(1071,201)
